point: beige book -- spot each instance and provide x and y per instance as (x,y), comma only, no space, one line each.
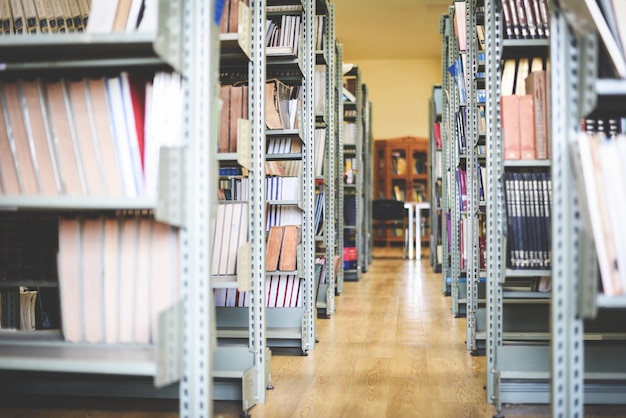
(67,15)
(83,6)
(28,299)
(289,248)
(222,143)
(160,275)
(69,257)
(58,17)
(70,173)
(19,24)
(236,113)
(274,242)
(31,23)
(27,176)
(38,132)
(9,181)
(121,15)
(6,17)
(111,285)
(101,122)
(43,14)
(128,264)
(76,15)
(94,173)
(235,224)
(143,315)
(92,276)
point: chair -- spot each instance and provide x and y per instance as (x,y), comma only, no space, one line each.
(390,214)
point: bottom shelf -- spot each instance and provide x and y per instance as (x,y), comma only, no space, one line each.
(525,374)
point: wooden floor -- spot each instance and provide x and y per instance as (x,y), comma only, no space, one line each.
(392,349)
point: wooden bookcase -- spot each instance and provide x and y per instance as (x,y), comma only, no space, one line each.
(401,173)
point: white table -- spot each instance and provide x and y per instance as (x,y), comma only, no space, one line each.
(415,221)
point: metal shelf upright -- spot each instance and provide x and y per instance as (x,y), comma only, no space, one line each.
(582,373)
(186,42)
(435,176)
(339,166)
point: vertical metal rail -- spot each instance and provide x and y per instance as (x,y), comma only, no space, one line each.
(359,174)
(496,215)
(473,265)
(567,347)
(308,177)
(200,63)
(444,28)
(256,202)
(340,166)
(331,161)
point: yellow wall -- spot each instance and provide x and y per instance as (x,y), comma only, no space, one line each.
(399,91)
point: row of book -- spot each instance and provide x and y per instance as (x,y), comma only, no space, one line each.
(466,241)
(524,109)
(89,137)
(282,34)
(528,196)
(283,291)
(597,158)
(461,182)
(230,232)
(116,275)
(282,248)
(20,315)
(234,107)
(277,188)
(526,19)
(91,16)
(229,20)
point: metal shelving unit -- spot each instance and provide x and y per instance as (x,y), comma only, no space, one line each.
(186,42)
(435,167)
(356,150)
(582,372)
(516,325)
(448,98)
(368,178)
(326,292)
(339,165)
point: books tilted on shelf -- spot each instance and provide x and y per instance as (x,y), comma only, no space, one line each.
(234,107)
(89,137)
(460,29)
(283,291)
(116,275)
(278,109)
(320,151)
(597,161)
(230,232)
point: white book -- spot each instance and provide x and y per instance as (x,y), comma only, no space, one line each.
(218,227)
(150,21)
(224,243)
(131,126)
(120,131)
(220,297)
(282,291)
(101,16)
(133,15)
(142,283)
(70,284)
(111,251)
(92,276)
(233,243)
(126,279)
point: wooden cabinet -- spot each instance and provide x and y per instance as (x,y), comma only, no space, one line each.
(401,173)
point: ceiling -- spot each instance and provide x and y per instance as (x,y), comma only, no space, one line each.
(389,29)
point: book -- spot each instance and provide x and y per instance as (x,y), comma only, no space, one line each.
(43,13)
(70,169)
(70,287)
(101,122)
(510,122)
(27,175)
(274,243)
(536,84)
(36,119)
(94,171)
(289,248)
(460,24)
(121,15)
(92,276)
(102,16)
(528,141)
(19,19)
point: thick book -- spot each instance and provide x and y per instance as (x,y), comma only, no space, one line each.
(224,129)
(510,121)
(536,84)
(102,16)
(27,175)
(528,147)
(36,119)
(274,243)
(289,248)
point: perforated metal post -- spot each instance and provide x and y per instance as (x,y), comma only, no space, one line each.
(256,201)
(496,214)
(340,165)
(444,28)
(200,60)
(566,328)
